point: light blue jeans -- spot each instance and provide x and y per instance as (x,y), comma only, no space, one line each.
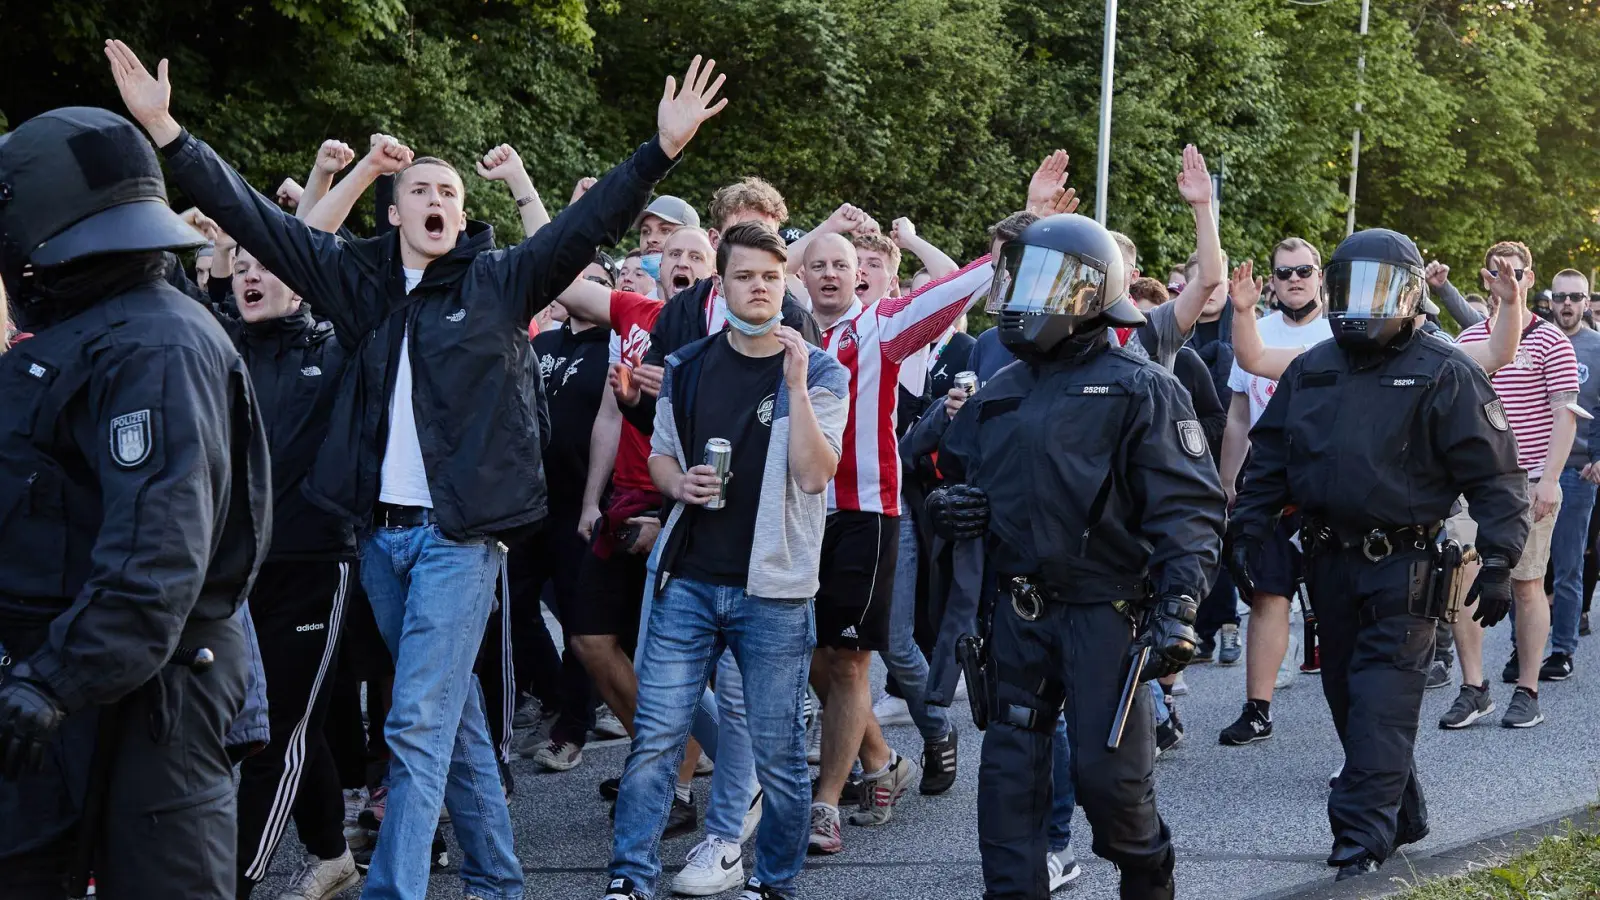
(904,658)
(431,597)
(1566,558)
(691,623)
(1064,793)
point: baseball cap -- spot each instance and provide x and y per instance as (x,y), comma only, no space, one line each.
(80,181)
(672,209)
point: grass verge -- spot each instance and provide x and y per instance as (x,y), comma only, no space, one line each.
(1561,867)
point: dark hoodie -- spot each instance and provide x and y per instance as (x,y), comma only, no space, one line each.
(475,390)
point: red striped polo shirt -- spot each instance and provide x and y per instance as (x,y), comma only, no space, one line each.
(1545,366)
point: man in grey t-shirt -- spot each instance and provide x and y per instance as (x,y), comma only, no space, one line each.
(1570,296)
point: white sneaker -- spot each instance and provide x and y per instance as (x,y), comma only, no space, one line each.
(891,711)
(1289,669)
(704,766)
(713,866)
(319,879)
(558,757)
(814,741)
(1063,867)
(1179,687)
(752,817)
(607,726)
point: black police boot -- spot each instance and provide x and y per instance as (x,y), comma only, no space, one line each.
(1352,859)
(1366,865)
(1146,885)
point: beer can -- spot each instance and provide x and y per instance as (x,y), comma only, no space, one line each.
(719,456)
(968,382)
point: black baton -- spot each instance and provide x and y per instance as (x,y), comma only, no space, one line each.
(1132,683)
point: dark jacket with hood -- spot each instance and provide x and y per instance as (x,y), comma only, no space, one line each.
(683,321)
(475,389)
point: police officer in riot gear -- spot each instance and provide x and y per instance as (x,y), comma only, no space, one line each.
(1087,475)
(1373,436)
(134,509)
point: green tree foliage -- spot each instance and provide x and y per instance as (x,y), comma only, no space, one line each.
(1478,121)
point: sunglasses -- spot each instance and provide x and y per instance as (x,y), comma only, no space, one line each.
(1573,297)
(1283,272)
(1517,273)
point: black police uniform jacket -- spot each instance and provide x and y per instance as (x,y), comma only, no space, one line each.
(474,387)
(1098,475)
(1386,440)
(134,489)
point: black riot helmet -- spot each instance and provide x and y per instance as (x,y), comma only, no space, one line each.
(1376,288)
(1062,276)
(79,182)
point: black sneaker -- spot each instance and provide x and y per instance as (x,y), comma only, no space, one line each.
(1366,865)
(1558,667)
(1583,625)
(683,819)
(610,788)
(439,856)
(622,889)
(939,765)
(1523,711)
(850,795)
(1512,670)
(1251,726)
(1472,704)
(1206,652)
(1438,676)
(755,890)
(1168,736)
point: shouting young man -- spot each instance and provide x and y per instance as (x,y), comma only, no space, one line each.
(435,453)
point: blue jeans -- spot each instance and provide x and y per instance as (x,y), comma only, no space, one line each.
(1158,703)
(690,625)
(1566,558)
(904,658)
(1065,798)
(431,597)
(723,732)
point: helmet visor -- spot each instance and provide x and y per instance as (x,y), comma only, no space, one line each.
(1367,289)
(1039,280)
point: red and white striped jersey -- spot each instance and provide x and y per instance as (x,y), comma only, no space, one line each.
(873,344)
(1545,366)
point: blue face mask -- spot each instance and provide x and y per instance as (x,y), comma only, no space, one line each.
(751,329)
(652,265)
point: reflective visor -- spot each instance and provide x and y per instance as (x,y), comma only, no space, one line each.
(1365,289)
(1037,280)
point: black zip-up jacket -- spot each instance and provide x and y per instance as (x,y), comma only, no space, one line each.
(682,322)
(474,388)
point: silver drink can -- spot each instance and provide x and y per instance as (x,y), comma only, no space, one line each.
(968,382)
(719,456)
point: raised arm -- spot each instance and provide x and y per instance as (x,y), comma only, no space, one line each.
(537,270)
(385,156)
(844,220)
(1248,351)
(332,157)
(503,164)
(1048,194)
(1194,184)
(1500,350)
(916,320)
(905,236)
(311,262)
(588,300)
(1438,275)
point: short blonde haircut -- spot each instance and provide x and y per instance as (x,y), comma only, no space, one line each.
(752,194)
(880,243)
(1294,243)
(1516,249)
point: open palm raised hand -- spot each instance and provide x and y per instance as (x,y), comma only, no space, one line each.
(1194,182)
(148,98)
(681,113)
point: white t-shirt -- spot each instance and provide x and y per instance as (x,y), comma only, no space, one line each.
(404,481)
(1276,331)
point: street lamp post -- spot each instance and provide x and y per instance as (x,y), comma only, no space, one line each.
(1107,70)
(1355,139)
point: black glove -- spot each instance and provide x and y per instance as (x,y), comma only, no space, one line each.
(30,716)
(959,512)
(1242,553)
(1171,636)
(1491,592)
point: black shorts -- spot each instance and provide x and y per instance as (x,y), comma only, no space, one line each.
(609,597)
(859,553)
(1281,566)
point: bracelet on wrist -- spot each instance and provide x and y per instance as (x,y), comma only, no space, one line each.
(524,201)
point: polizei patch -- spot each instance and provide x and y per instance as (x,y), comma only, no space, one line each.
(1497,415)
(130,439)
(1191,438)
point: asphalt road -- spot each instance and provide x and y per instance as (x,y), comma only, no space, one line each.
(1247,821)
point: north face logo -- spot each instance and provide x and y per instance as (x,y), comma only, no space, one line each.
(311,371)
(456,316)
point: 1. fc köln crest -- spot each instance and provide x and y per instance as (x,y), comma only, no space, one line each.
(130,439)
